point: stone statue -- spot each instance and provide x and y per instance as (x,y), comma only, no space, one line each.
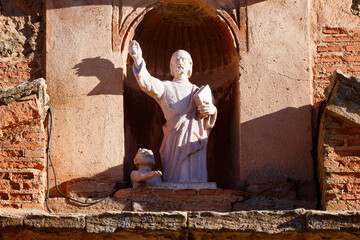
(188,122)
(144,160)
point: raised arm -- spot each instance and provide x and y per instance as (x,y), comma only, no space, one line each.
(150,85)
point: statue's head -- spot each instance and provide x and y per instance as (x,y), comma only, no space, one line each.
(181,63)
(144,157)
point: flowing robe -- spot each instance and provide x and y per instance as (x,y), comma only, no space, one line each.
(183,149)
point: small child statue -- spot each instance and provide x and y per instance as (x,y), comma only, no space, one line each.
(144,161)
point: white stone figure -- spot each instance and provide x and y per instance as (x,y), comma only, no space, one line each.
(187,127)
(144,161)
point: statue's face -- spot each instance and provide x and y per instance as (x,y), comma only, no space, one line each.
(148,157)
(181,64)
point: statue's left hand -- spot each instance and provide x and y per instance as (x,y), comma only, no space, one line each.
(207,109)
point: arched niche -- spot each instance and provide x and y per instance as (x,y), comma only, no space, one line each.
(209,39)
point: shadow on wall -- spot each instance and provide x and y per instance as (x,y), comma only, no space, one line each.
(97,186)
(285,138)
(110,84)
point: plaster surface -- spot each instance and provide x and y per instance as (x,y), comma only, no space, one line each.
(85,86)
(275,88)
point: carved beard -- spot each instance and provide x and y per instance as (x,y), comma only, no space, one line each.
(180,70)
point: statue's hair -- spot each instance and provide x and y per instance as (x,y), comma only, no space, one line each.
(140,157)
(187,55)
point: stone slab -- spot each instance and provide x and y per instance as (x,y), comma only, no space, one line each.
(344,97)
(171,185)
(10,220)
(112,221)
(54,222)
(339,221)
(270,222)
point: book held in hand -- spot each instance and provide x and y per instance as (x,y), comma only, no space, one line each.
(203,96)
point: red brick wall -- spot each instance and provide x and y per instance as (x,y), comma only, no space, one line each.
(22,155)
(339,48)
(339,164)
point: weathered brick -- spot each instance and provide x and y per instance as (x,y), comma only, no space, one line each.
(352,164)
(325,59)
(210,191)
(5,185)
(35,144)
(332,69)
(336,206)
(329,197)
(351,58)
(4,175)
(350,48)
(12,205)
(11,153)
(329,48)
(233,192)
(8,185)
(330,163)
(335,142)
(328,39)
(141,190)
(347,39)
(20,197)
(356,30)
(355,69)
(22,176)
(334,30)
(4,64)
(35,135)
(34,153)
(20,165)
(164,192)
(32,205)
(348,152)
(343,131)
(186,192)
(31,186)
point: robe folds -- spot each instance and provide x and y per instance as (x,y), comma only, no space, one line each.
(184,146)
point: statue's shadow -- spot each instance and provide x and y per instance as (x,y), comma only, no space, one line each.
(111,78)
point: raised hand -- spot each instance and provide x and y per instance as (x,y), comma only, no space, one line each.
(135,52)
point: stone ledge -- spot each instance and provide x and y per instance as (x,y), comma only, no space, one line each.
(55,222)
(114,221)
(270,222)
(266,222)
(332,221)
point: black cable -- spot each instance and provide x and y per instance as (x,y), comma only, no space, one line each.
(49,132)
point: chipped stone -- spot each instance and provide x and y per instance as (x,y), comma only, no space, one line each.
(344,97)
(270,222)
(112,221)
(340,221)
(8,220)
(52,222)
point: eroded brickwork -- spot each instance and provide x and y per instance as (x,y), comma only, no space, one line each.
(339,48)
(21,41)
(339,145)
(339,165)
(22,155)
